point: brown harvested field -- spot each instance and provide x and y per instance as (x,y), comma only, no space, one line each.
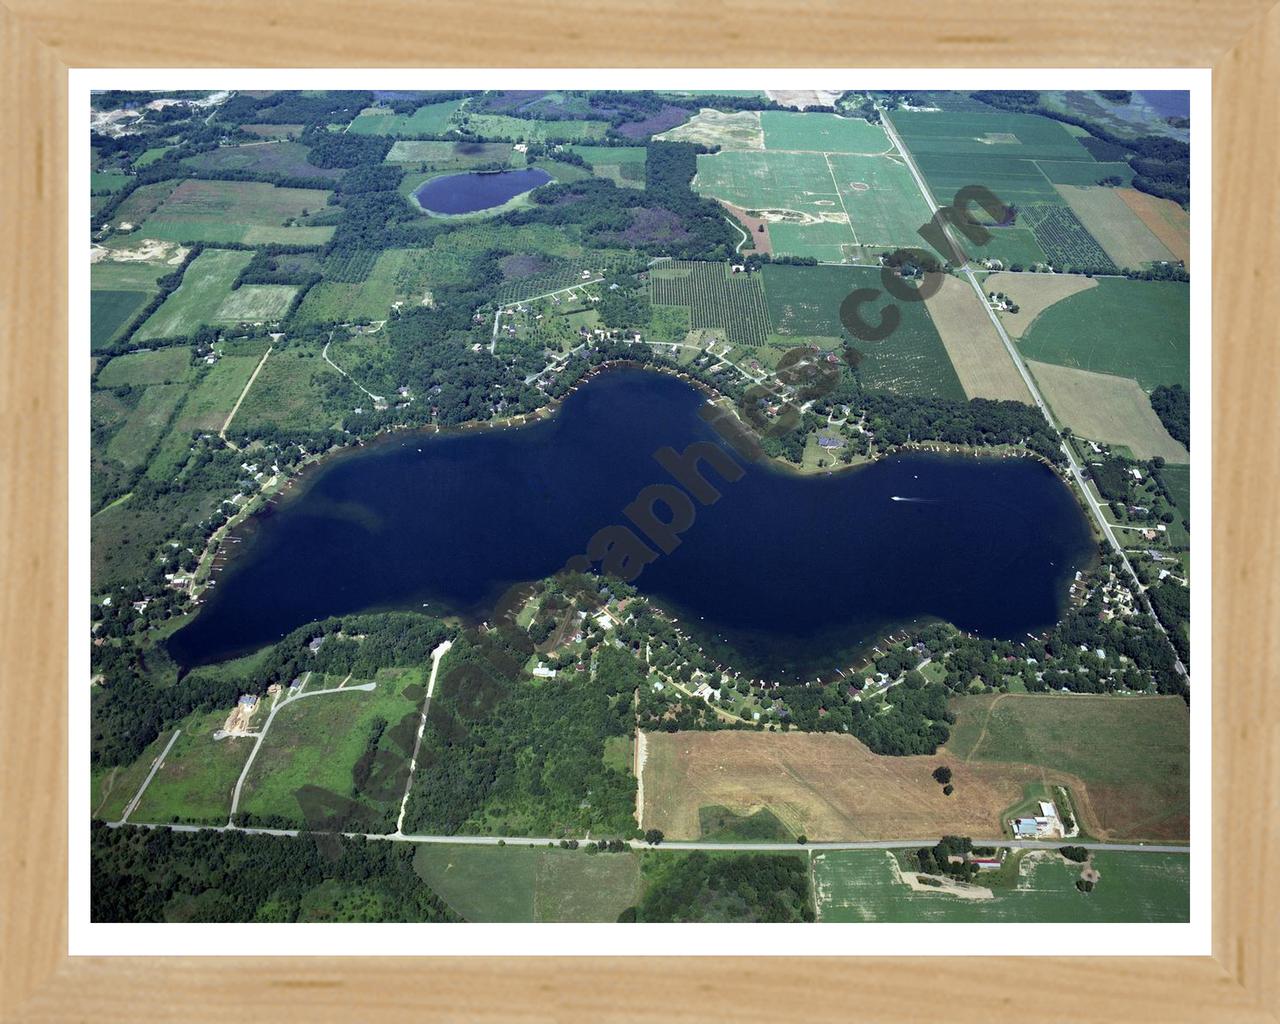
(752,225)
(826,786)
(984,367)
(1126,239)
(1104,407)
(1168,221)
(1033,294)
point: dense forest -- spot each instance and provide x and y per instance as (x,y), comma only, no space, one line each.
(702,886)
(1172,403)
(198,877)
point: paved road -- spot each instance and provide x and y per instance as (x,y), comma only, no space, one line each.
(436,655)
(873,844)
(155,767)
(1077,471)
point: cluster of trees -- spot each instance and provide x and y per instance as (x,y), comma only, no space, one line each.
(1172,403)
(138,875)
(938,860)
(738,887)
(531,757)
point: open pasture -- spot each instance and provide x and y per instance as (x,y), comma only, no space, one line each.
(139,369)
(430,119)
(1107,408)
(716,298)
(205,286)
(291,391)
(985,368)
(139,204)
(256,303)
(804,306)
(623,165)
(460,154)
(210,401)
(317,740)
(827,786)
(284,158)
(526,884)
(195,782)
(514,129)
(145,424)
(868,886)
(1138,329)
(252,212)
(1132,753)
(1119,231)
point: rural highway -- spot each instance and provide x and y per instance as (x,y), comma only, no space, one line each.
(639,844)
(1077,471)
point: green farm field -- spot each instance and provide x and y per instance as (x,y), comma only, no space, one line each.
(804,305)
(251,212)
(161,366)
(866,886)
(1132,753)
(316,741)
(110,311)
(1138,329)
(195,782)
(205,286)
(527,884)
(256,303)
(821,133)
(431,119)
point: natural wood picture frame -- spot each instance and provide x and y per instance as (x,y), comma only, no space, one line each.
(42,39)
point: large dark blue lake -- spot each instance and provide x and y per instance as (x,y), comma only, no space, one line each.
(784,576)
(473,191)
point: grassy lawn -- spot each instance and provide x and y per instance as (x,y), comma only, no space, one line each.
(865,885)
(195,783)
(1131,753)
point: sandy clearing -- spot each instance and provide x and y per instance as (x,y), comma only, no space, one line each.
(712,128)
(976,351)
(1033,294)
(1104,407)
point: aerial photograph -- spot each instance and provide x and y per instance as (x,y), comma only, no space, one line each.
(626,506)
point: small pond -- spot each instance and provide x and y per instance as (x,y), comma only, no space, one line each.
(477,190)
